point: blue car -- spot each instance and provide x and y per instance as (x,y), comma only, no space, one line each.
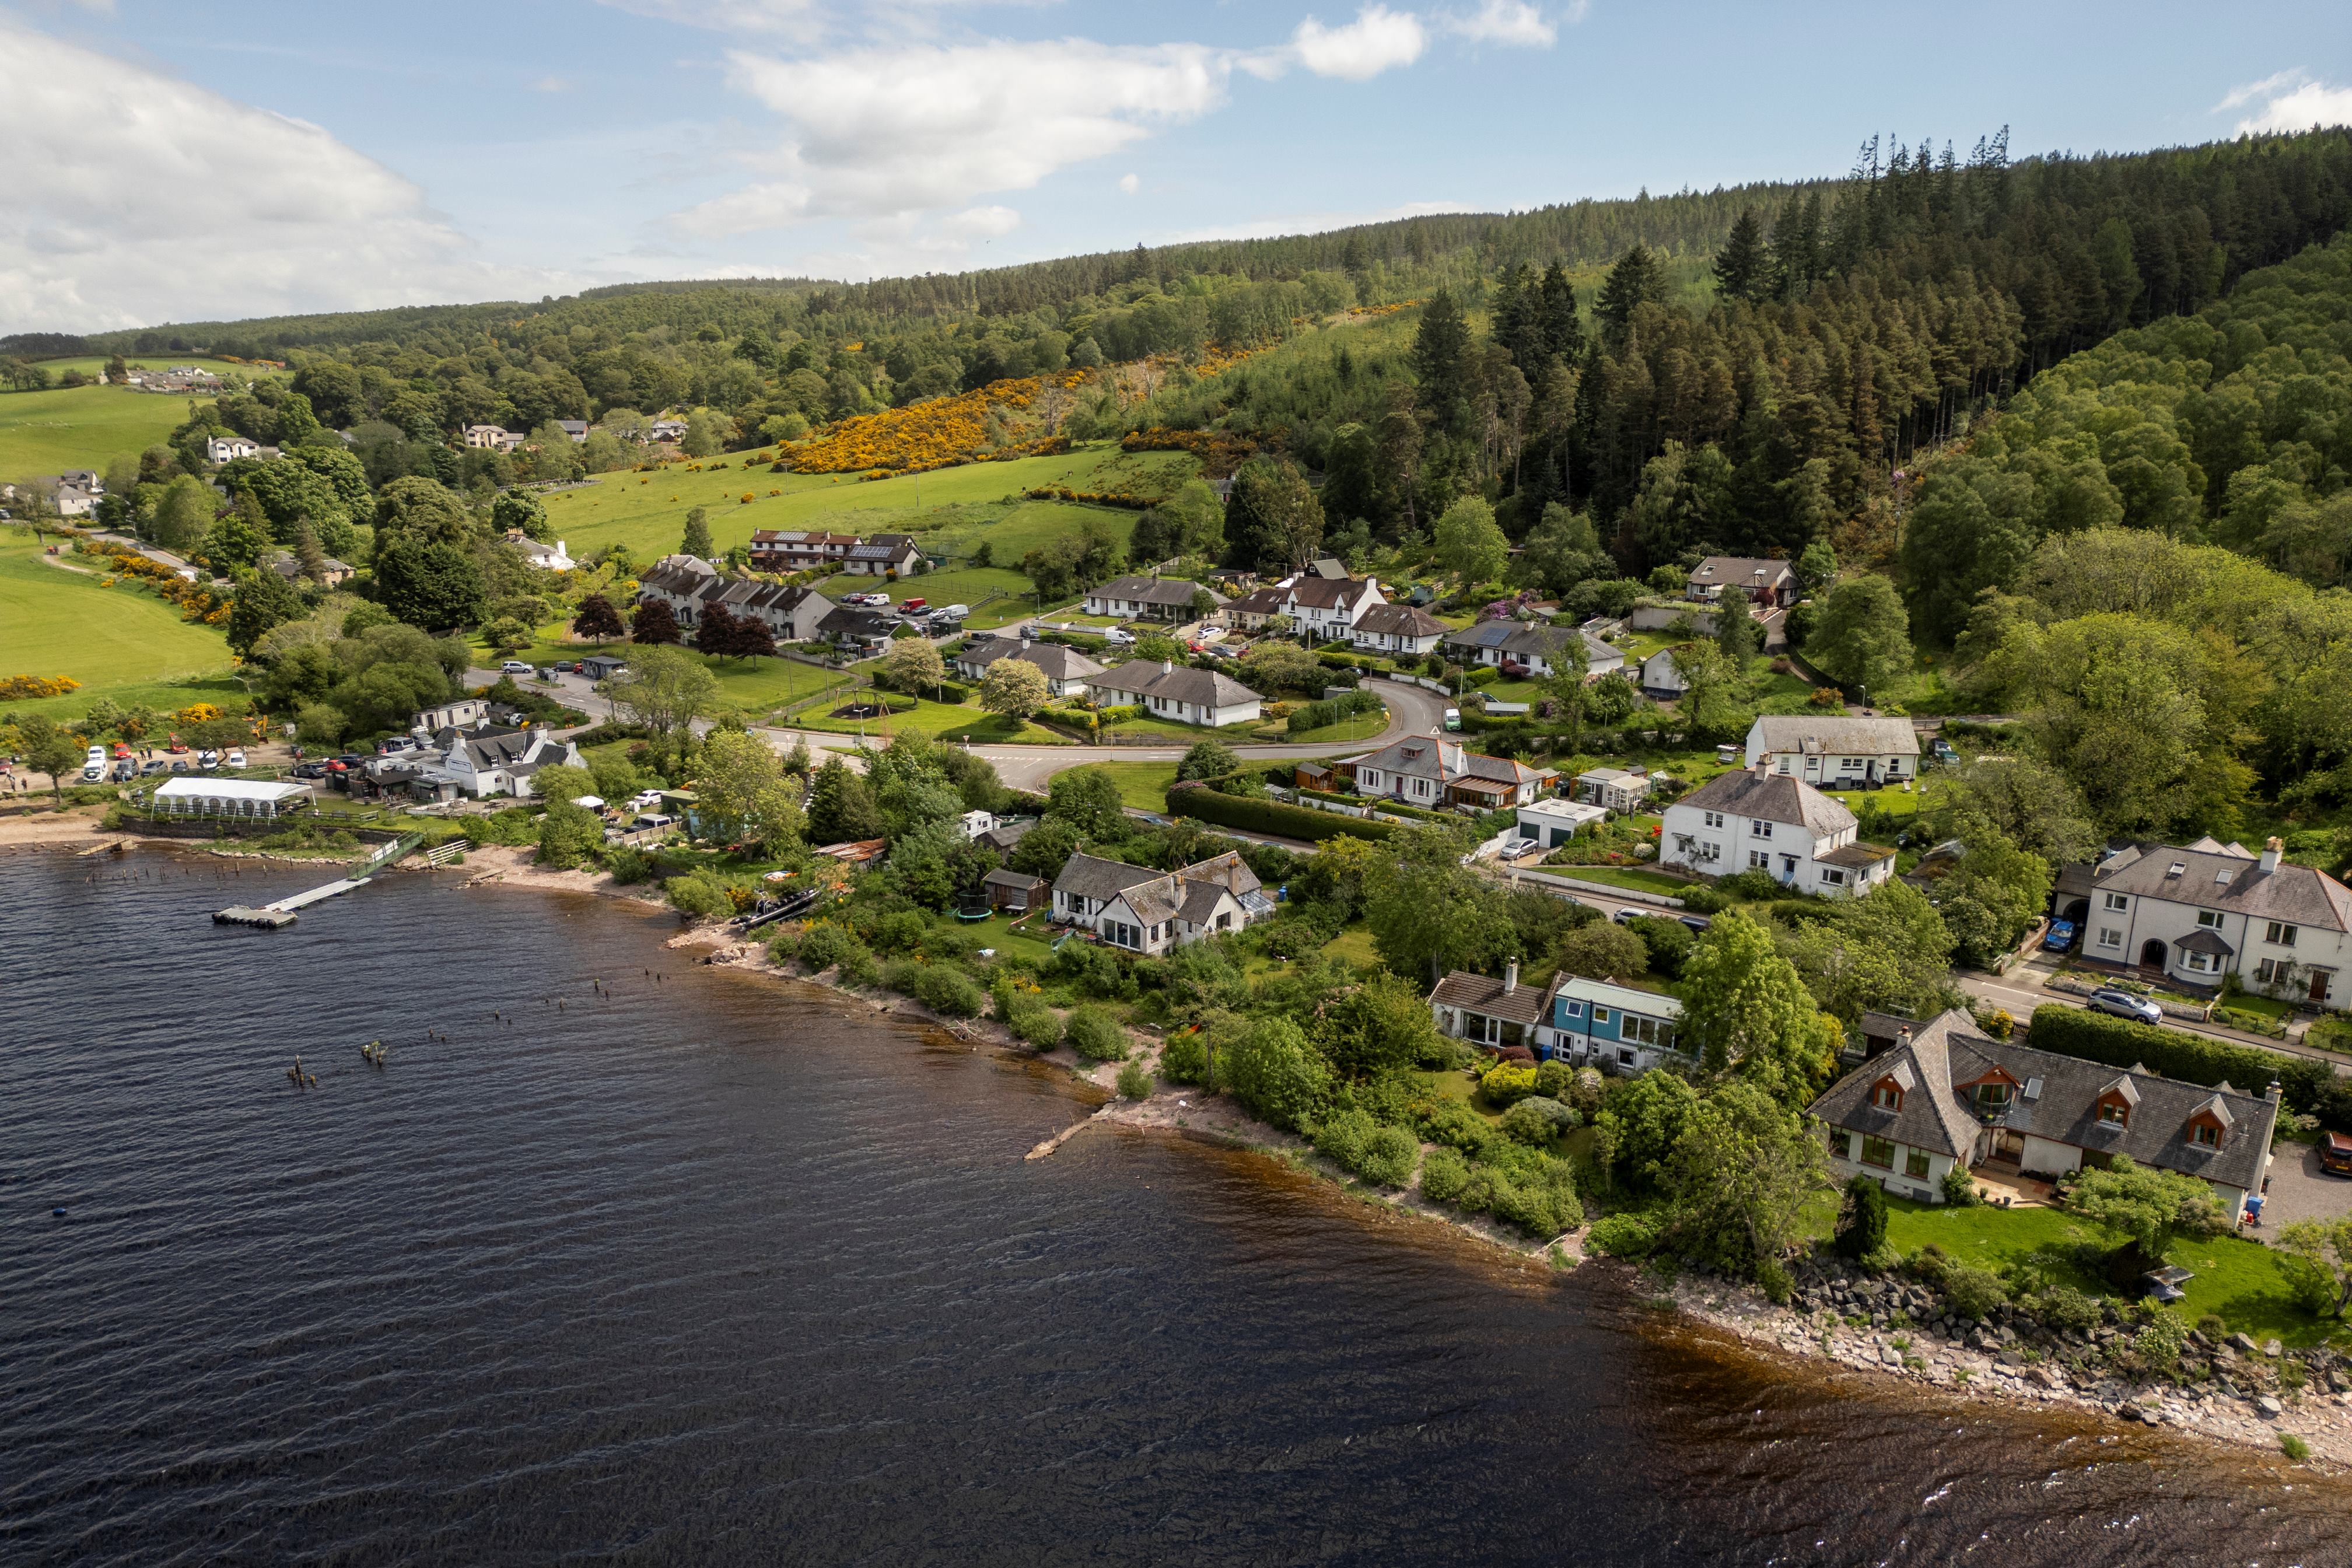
(2061,936)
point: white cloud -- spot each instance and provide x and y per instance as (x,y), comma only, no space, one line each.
(551,84)
(156,200)
(1379,39)
(896,131)
(2295,102)
(1506,22)
(1130,183)
(1275,226)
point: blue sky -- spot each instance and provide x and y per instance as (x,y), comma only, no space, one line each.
(180,159)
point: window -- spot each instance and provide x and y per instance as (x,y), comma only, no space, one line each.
(1572,1009)
(2206,1135)
(2210,918)
(1714,819)
(1599,1016)
(1849,764)
(1841,1143)
(1708,850)
(2111,936)
(2116,1112)
(2279,934)
(1915,1164)
(1832,878)
(1644,1030)
(1759,827)
(1878,1152)
(1624,1058)
(2117,902)
(1759,860)
(2199,962)
(1886,1097)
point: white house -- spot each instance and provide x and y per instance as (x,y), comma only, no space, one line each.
(495,438)
(1768,583)
(2195,914)
(575,428)
(457,715)
(1660,679)
(884,555)
(1066,669)
(1147,912)
(1434,773)
(1529,646)
(1146,598)
(1403,631)
(547,557)
(75,501)
(1168,691)
(1324,608)
(1947,1097)
(228,448)
(1751,819)
(1836,751)
(1615,789)
(1501,1015)
(495,760)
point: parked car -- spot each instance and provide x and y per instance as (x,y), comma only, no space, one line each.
(209,759)
(1453,718)
(1513,847)
(913,605)
(1696,922)
(1624,912)
(93,773)
(235,758)
(313,770)
(644,800)
(2061,936)
(120,751)
(178,747)
(1942,751)
(953,612)
(158,766)
(2124,1005)
(96,757)
(125,771)
(2335,1153)
(514,666)
(652,819)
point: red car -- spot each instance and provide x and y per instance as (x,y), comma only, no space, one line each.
(122,752)
(2335,1153)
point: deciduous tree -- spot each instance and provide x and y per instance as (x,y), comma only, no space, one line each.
(1014,688)
(597,619)
(1862,636)
(1748,1012)
(654,622)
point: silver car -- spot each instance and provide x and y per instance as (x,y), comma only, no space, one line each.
(2124,1005)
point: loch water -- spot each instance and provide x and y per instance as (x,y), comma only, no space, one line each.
(710,1267)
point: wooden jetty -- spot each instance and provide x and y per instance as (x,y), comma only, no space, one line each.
(281,912)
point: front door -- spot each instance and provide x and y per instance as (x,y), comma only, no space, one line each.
(2319,984)
(2151,954)
(2010,1145)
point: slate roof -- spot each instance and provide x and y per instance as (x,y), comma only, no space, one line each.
(1770,797)
(1199,687)
(883,547)
(844,620)
(1021,880)
(1056,661)
(1091,877)
(1518,639)
(1005,834)
(1948,1052)
(1175,592)
(1729,571)
(1399,620)
(1484,993)
(1429,757)
(1258,602)
(2227,878)
(1837,734)
(1329,593)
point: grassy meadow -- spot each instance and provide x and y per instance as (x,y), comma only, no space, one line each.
(90,426)
(119,642)
(950,508)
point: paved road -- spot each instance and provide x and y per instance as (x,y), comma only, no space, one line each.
(2020,993)
(1411,711)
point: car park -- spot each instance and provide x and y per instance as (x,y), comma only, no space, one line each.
(94,772)
(2124,1005)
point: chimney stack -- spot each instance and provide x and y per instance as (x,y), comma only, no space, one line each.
(2272,849)
(1511,982)
(2273,1092)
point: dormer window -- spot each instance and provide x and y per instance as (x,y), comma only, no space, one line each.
(1886,1096)
(2205,1135)
(1994,1094)
(2115,1113)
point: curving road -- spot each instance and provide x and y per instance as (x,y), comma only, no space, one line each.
(1413,711)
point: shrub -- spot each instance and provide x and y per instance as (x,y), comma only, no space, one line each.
(2293,1447)
(1507,1083)
(944,990)
(1339,1137)
(1753,883)
(1973,1292)
(700,894)
(1586,1089)
(827,946)
(1444,1176)
(1554,1079)
(1537,1120)
(1185,1059)
(1960,1188)
(1667,942)
(1271,816)
(1289,938)
(1630,1237)
(1134,1083)
(1034,1023)
(1390,1156)
(1454,1124)
(2309,1083)
(2063,1307)
(901,930)
(1861,1219)
(1096,1035)
(628,864)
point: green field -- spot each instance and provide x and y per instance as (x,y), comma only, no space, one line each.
(1142,785)
(939,721)
(119,642)
(949,507)
(81,427)
(1625,877)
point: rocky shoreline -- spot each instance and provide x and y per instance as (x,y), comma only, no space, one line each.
(1885,1325)
(2235,1392)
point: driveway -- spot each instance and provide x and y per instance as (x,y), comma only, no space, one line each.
(2300,1190)
(2021,992)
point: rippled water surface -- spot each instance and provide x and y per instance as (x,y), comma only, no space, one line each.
(712,1269)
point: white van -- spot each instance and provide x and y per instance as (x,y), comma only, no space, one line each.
(1117,638)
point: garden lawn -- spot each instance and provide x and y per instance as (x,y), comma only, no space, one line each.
(1354,945)
(81,427)
(939,721)
(647,512)
(997,931)
(1142,785)
(2237,1280)
(1632,876)
(119,642)
(1363,727)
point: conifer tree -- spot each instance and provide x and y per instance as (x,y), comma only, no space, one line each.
(1441,356)
(1563,333)
(697,542)
(1636,279)
(1741,267)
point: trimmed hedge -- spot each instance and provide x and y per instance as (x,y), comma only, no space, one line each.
(2310,1085)
(1270,817)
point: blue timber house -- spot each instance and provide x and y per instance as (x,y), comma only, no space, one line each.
(1594,1022)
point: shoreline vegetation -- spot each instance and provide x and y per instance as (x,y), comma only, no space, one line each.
(1835,1318)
